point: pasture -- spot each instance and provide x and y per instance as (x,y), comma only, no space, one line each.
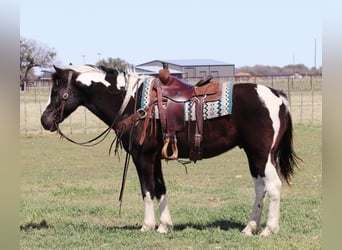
(69,199)
(69,194)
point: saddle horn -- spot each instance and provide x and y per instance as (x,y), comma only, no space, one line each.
(165,65)
(164,74)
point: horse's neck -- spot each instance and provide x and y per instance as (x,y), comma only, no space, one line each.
(109,106)
(106,107)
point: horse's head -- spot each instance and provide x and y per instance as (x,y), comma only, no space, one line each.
(70,87)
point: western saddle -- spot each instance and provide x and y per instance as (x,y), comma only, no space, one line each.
(170,94)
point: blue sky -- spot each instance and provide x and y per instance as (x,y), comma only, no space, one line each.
(242,32)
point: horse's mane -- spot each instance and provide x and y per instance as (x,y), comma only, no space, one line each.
(83,68)
(131,77)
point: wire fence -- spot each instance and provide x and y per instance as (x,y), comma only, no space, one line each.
(305,99)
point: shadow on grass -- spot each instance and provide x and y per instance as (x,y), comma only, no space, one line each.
(221,224)
(38,226)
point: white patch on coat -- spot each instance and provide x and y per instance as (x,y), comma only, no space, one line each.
(149,220)
(165,217)
(286,102)
(272,187)
(88,78)
(89,74)
(271,180)
(272,103)
(121,80)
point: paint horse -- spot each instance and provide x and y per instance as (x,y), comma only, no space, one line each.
(259,123)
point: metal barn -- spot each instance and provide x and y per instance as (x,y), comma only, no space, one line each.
(190,69)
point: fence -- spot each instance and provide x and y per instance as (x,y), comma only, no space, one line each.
(305,98)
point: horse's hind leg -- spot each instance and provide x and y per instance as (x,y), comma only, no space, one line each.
(254,219)
(272,187)
(266,181)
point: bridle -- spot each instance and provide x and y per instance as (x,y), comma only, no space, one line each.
(91,142)
(65,96)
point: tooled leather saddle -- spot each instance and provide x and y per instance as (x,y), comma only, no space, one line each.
(171,94)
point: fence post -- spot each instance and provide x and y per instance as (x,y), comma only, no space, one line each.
(85,121)
(288,90)
(25,108)
(312,100)
(40,107)
(301,101)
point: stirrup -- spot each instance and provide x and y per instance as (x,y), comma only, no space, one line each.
(174,156)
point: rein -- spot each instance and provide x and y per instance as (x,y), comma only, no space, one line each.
(130,144)
(129,121)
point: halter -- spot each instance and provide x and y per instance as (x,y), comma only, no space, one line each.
(65,97)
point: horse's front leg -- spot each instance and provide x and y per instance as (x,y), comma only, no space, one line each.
(165,217)
(153,185)
(149,219)
(144,164)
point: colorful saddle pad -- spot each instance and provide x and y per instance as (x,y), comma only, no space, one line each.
(211,110)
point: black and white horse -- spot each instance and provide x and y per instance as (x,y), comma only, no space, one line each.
(260,124)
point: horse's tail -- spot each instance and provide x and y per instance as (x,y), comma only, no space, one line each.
(287,158)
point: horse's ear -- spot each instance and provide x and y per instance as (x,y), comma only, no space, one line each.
(58,70)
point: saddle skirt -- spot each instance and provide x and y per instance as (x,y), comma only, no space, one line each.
(211,109)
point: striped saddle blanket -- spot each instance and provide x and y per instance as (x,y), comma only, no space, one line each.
(211,109)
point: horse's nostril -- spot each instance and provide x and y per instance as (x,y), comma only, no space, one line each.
(48,121)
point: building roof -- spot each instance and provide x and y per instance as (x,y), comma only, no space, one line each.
(191,62)
(155,69)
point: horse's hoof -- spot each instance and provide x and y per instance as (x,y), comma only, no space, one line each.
(163,229)
(146,228)
(246,232)
(249,229)
(268,231)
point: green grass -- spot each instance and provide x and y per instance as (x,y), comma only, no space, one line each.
(69,199)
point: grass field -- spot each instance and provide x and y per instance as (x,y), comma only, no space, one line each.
(69,199)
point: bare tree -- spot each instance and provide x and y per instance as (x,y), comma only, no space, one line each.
(34,54)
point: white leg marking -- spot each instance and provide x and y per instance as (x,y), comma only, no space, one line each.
(165,217)
(254,219)
(149,220)
(272,186)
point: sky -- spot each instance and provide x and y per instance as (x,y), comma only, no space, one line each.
(244,33)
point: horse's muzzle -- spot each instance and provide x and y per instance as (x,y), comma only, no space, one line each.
(48,121)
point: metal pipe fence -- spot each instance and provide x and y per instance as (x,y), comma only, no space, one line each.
(304,94)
